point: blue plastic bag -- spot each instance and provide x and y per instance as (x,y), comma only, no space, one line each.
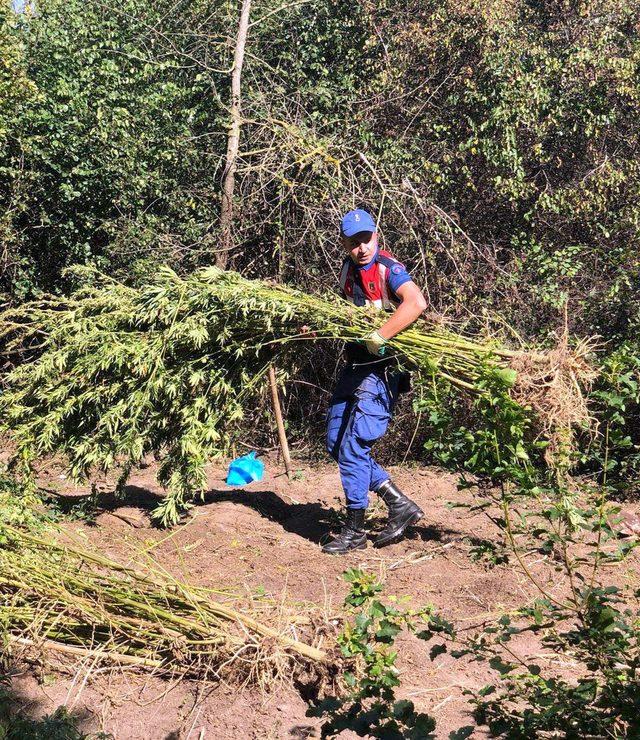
(244,470)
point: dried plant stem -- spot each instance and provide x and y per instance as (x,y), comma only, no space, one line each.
(86,652)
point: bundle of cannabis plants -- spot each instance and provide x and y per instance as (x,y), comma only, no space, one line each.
(113,374)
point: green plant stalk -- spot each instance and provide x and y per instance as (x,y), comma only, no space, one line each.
(523,565)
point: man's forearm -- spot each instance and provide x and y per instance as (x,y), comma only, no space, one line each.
(406,313)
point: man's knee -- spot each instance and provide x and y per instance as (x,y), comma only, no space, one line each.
(352,452)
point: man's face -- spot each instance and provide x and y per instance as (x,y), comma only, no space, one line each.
(361,246)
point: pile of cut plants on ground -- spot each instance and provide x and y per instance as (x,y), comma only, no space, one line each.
(112,374)
(56,596)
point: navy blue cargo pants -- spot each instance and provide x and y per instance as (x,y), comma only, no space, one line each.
(359,414)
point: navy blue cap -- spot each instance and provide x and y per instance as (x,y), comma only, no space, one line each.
(356,221)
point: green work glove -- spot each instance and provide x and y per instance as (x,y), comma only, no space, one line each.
(375,342)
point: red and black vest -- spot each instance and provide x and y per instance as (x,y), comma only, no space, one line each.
(370,286)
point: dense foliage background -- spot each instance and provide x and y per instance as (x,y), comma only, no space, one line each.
(497,142)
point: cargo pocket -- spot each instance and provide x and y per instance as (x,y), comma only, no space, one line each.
(371,419)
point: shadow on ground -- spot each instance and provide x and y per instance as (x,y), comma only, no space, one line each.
(311,521)
(17,718)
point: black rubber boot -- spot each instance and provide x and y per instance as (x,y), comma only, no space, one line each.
(403,512)
(351,537)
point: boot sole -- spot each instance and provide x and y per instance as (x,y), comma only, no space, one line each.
(399,532)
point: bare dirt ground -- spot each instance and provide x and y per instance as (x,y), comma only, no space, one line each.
(265,538)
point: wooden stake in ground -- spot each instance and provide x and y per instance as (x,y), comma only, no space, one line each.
(282,437)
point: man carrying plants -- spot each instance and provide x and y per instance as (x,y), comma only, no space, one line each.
(368,388)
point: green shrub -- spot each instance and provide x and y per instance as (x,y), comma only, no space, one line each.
(369,706)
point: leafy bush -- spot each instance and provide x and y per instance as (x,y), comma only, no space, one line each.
(592,623)
(615,452)
(110,145)
(369,707)
(602,639)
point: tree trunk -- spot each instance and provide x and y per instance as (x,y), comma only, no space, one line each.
(233,140)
